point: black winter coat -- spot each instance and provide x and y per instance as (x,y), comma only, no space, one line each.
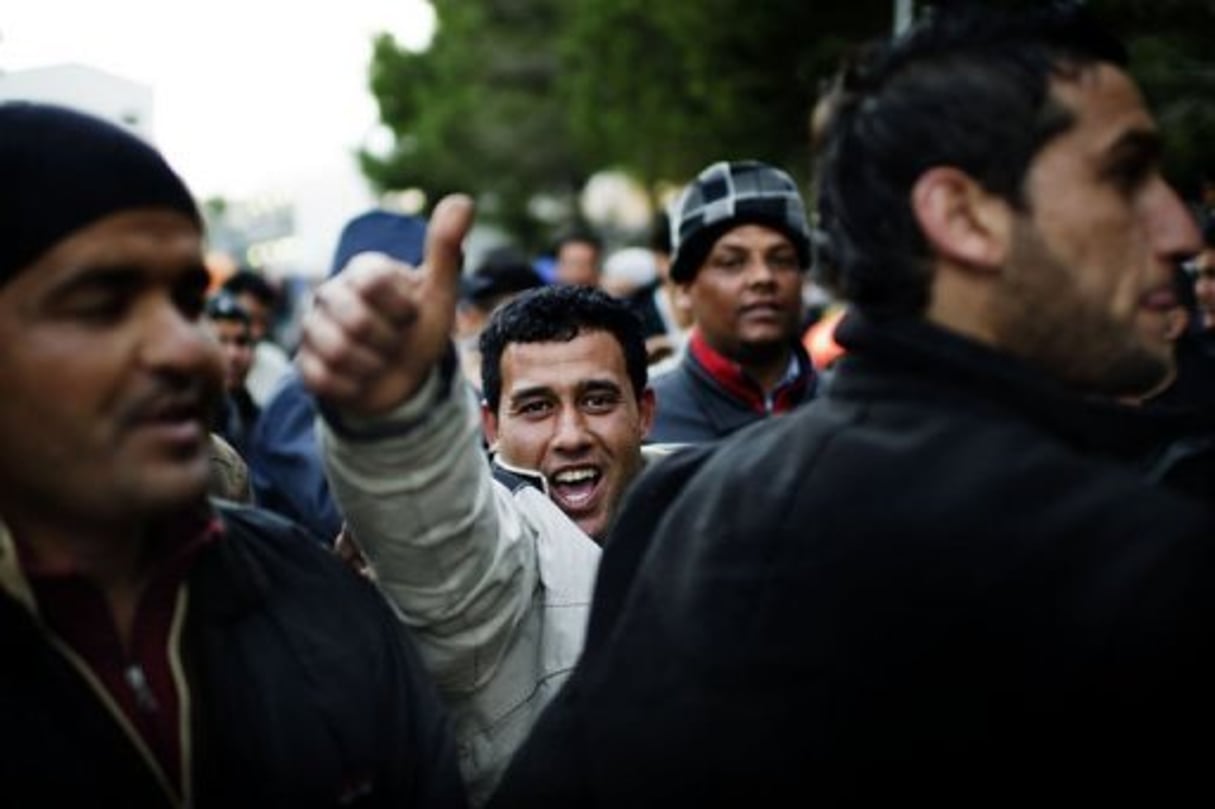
(947,582)
(304,691)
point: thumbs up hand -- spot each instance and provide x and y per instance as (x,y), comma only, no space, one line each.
(379,327)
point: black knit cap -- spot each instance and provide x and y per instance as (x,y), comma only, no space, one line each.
(61,170)
(726,195)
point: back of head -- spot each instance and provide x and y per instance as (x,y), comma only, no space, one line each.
(559,314)
(726,195)
(62,170)
(502,273)
(967,87)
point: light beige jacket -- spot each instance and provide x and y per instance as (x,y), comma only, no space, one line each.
(494,583)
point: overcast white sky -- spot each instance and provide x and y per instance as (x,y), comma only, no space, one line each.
(246,91)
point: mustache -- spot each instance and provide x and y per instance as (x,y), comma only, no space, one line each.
(173,399)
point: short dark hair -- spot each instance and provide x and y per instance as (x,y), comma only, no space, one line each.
(503,272)
(967,87)
(243,281)
(560,313)
(224,306)
(578,235)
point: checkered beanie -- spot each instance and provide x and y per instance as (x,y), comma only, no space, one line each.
(62,170)
(729,194)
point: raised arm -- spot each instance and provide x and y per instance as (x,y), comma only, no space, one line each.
(402,451)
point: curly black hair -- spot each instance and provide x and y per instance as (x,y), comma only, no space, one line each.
(559,314)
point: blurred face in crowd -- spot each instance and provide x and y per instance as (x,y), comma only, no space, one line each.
(259,315)
(1204,287)
(236,344)
(569,411)
(109,378)
(746,297)
(1088,285)
(578,263)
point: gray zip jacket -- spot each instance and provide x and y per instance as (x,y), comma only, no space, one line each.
(494,581)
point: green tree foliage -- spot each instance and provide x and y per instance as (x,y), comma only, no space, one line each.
(663,89)
(517,98)
(1171,56)
(478,111)
(1172,60)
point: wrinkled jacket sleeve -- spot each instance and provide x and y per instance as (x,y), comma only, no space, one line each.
(445,542)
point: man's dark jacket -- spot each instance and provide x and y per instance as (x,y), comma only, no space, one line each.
(946,582)
(304,691)
(694,406)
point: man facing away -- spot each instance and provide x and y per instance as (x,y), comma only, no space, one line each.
(741,247)
(952,580)
(494,577)
(161,650)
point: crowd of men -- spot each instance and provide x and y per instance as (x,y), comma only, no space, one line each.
(615,538)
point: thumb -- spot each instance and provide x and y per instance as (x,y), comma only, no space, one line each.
(449,224)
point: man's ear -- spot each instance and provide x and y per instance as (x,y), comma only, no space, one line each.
(681,299)
(489,425)
(962,221)
(645,409)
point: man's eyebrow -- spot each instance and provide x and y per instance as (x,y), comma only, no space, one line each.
(111,275)
(1144,146)
(534,392)
(598,386)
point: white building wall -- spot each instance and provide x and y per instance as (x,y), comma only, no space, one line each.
(84,88)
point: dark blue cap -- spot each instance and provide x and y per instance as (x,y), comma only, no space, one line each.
(398,235)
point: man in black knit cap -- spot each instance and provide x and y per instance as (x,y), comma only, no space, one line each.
(741,246)
(161,650)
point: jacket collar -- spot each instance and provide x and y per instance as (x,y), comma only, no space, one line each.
(733,380)
(920,353)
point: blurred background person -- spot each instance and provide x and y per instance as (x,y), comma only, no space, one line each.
(1203,270)
(578,255)
(270,361)
(742,245)
(500,277)
(284,459)
(229,323)
(665,312)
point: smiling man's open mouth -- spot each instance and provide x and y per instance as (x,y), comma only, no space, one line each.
(574,488)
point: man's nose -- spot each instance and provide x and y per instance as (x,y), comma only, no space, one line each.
(176,343)
(571,430)
(1171,227)
(759,271)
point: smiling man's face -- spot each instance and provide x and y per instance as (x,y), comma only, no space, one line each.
(568,410)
